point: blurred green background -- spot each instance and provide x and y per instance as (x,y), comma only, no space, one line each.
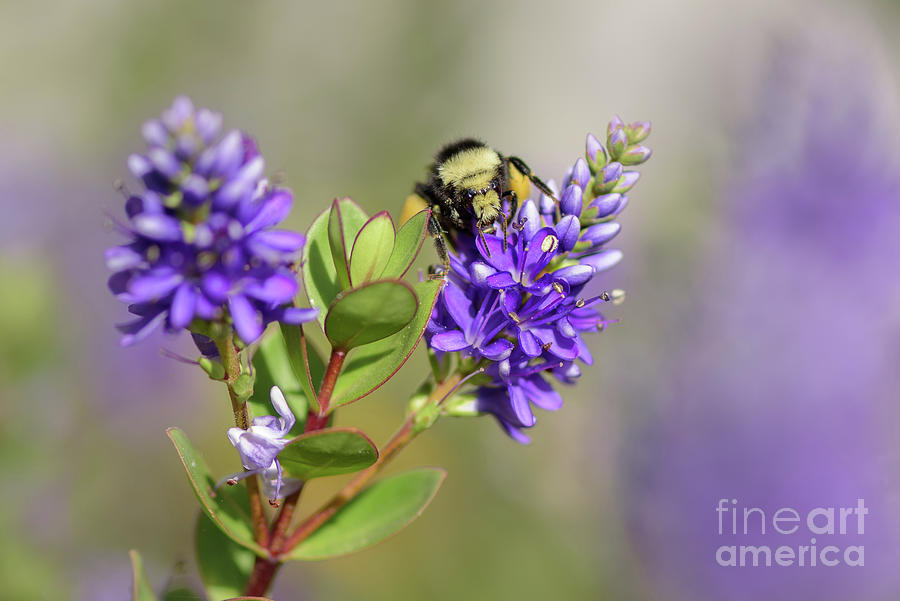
(353,98)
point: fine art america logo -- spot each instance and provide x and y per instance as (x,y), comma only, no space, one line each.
(827,523)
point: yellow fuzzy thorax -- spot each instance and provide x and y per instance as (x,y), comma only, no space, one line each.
(473,168)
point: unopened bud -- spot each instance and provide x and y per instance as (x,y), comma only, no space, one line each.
(636,155)
(617,143)
(595,153)
(638,131)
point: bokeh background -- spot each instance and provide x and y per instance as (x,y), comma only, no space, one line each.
(758,352)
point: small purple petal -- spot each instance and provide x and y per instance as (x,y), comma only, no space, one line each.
(575,275)
(119,258)
(603,260)
(601,233)
(297,315)
(500,280)
(153,285)
(450,341)
(183,304)
(567,231)
(247,322)
(158,227)
(278,288)
(274,209)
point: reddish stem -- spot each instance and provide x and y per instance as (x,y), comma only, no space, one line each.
(402,438)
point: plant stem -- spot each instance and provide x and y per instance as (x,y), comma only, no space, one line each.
(317,421)
(232,364)
(399,441)
(264,570)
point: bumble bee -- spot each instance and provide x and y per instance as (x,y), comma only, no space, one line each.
(467,186)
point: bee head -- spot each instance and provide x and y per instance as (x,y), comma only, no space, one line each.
(485,202)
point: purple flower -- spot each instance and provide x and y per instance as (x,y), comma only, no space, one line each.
(512,305)
(260,444)
(517,385)
(202,245)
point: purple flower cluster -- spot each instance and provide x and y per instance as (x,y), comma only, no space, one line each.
(202,247)
(513,304)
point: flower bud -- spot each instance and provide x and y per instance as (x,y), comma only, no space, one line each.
(614,124)
(464,405)
(581,174)
(638,131)
(603,260)
(595,153)
(617,142)
(572,200)
(635,155)
(607,179)
(606,204)
(568,230)
(627,181)
(214,369)
(601,233)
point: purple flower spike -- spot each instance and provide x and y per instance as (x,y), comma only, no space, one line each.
(260,445)
(513,306)
(202,244)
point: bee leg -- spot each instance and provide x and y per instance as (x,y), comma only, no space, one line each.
(484,242)
(440,244)
(525,170)
(509,218)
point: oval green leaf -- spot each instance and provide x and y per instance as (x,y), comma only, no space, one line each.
(140,584)
(407,245)
(369,313)
(319,273)
(370,366)
(372,249)
(328,453)
(272,367)
(220,504)
(224,566)
(378,512)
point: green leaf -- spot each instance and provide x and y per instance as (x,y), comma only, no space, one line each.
(338,244)
(407,244)
(182,593)
(219,504)
(377,513)
(370,366)
(306,363)
(319,273)
(369,313)
(328,453)
(272,367)
(140,584)
(224,566)
(372,249)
